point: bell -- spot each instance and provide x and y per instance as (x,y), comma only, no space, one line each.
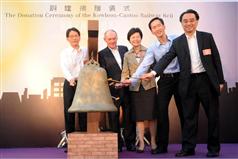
(92,92)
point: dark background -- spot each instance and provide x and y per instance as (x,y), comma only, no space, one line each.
(32,121)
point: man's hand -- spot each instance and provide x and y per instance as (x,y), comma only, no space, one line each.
(221,87)
(147,76)
(72,82)
(126,82)
(85,61)
(118,85)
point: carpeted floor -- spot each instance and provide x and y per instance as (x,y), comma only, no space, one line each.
(227,151)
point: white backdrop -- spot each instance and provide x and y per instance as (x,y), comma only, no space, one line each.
(33,33)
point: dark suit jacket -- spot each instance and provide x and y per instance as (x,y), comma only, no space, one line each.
(109,63)
(211,61)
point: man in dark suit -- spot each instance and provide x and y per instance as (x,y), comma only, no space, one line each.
(201,80)
(111,59)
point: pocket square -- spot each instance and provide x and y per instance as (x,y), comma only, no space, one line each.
(206,52)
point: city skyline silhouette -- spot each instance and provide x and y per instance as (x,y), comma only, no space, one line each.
(35,121)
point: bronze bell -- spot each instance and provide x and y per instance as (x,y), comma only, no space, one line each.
(92,92)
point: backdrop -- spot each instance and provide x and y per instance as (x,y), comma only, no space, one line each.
(33,35)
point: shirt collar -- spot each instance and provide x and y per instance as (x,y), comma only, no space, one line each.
(113,50)
(74,50)
(192,36)
(169,39)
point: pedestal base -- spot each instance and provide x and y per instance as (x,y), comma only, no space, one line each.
(92,145)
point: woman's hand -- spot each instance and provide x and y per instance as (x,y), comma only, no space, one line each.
(126,82)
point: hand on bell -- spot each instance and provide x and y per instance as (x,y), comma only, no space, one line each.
(126,82)
(118,85)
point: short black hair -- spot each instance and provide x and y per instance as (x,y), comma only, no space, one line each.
(72,29)
(189,11)
(155,18)
(132,31)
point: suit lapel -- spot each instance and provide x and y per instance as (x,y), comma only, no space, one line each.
(133,59)
(121,54)
(185,44)
(199,40)
(113,58)
(110,54)
(187,56)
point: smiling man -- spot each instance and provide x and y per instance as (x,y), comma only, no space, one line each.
(200,81)
(111,59)
(72,61)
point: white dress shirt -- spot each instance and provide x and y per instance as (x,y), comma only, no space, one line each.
(72,61)
(196,63)
(117,56)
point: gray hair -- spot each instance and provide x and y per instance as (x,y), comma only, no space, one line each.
(109,30)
